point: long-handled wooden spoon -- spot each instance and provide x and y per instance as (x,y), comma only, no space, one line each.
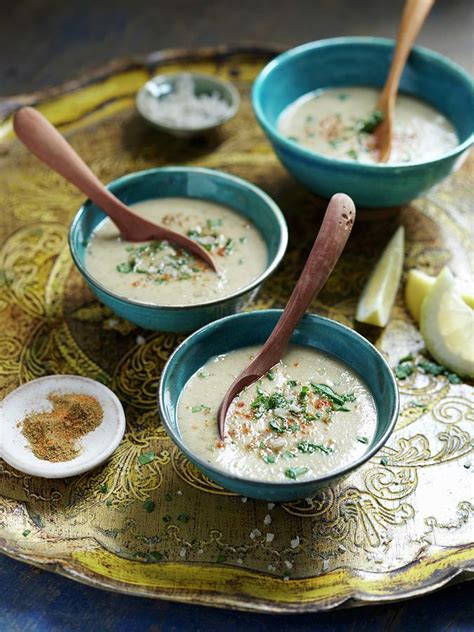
(414,15)
(47,144)
(327,248)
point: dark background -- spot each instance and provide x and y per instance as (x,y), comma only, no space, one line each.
(46,42)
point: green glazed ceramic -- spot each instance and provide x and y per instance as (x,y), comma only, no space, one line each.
(205,184)
(253,328)
(162,86)
(363,61)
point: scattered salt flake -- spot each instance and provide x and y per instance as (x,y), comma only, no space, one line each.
(112,322)
(240,560)
(182,552)
(201,551)
(270,537)
(179,492)
(286,578)
(244,499)
(140,340)
(288,564)
(342,547)
(270,506)
(254,533)
(325,564)
(295,542)
(309,501)
(270,567)
(267,519)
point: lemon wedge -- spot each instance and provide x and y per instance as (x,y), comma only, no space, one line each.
(378,296)
(417,287)
(447,326)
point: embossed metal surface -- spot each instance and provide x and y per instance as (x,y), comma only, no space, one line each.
(388,531)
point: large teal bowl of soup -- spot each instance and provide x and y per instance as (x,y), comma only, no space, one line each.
(202,356)
(340,63)
(127,277)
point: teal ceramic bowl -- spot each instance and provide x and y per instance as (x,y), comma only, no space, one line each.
(253,328)
(363,61)
(204,184)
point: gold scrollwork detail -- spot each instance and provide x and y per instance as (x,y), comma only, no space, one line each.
(188,473)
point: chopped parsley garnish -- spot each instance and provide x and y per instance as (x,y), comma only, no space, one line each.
(166,518)
(156,555)
(384,461)
(353,154)
(104,488)
(277,426)
(337,401)
(438,369)
(26,533)
(342,96)
(309,448)
(168,496)
(149,506)
(220,558)
(146,457)
(363,440)
(201,408)
(183,517)
(269,458)
(370,124)
(270,376)
(288,455)
(294,472)
(403,370)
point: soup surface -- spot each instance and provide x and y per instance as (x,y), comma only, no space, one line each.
(158,273)
(340,123)
(307,417)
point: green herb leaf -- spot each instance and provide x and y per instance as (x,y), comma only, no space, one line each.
(337,401)
(384,461)
(149,506)
(353,154)
(26,533)
(277,426)
(370,124)
(183,517)
(214,223)
(294,472)
(309,448)
(166,518)
(146,457)
(108,503)
(437,369)
(270,376)
(125,267)
(220,558)
(104,488)
(168,496)
(292,383)
(269,458)
(156,555)
(289,455)
(201,408)
(404,370)
(363,440)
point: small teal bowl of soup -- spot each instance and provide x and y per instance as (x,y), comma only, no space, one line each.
(328,407)
(317,105)
(160,287)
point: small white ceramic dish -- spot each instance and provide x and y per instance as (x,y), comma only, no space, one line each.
(158,88)
(96,446)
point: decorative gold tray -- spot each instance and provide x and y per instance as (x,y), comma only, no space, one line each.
(388,532)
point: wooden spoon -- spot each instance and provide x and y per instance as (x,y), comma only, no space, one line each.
(47,144)
(327,248)
(414,14)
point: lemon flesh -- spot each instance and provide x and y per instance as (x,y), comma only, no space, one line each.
(417,287)
(447,326)
(378,296)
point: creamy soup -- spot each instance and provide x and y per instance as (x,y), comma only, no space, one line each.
(156,272)
(340,123)
(309,416)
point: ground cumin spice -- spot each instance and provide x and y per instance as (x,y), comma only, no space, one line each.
(53,434)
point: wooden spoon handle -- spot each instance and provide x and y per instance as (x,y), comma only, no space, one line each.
(330,241)
(413,17)
(47,144)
